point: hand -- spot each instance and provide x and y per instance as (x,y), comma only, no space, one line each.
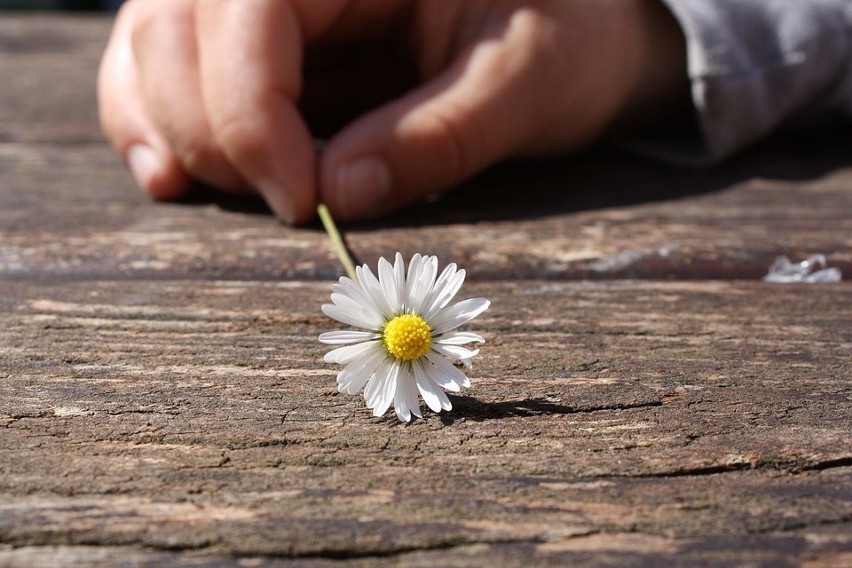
(428,92)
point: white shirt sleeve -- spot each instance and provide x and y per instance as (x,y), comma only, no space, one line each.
(755,65)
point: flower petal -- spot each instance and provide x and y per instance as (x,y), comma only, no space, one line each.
(348,353)
(351,317)
(399,277)
(411,278)
(445,289)
(356,292)
(347,337)
(375,386)
(387,395)
(373,287)
(421,285)
(455,352)
(405,399)
(368,310)
(359,305)
(382,386)
(458,314)
(459,338)
(411,393)
(446,374)
(387,280)
(434,397)
(354,376)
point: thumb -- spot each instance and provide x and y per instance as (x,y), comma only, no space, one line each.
(475,113)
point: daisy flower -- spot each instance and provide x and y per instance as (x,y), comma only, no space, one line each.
(408,338)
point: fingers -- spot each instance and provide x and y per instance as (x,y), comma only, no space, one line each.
(125,119)
(155,112)
(167,61)
(250,57)
(479,110)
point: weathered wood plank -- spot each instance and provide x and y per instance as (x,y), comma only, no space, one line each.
(608,423)
(47,70)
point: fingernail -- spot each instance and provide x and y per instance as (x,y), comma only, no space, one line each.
(363,187)
(144,164)
(277,198)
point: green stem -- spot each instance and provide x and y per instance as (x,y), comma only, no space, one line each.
(336,241)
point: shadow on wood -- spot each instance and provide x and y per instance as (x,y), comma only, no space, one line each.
(598,179)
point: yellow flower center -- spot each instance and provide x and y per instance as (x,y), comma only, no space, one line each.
(407,337)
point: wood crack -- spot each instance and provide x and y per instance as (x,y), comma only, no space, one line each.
(845,461)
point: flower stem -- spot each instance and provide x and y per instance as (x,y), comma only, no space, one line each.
(336,241)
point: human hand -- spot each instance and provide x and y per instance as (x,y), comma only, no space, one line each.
(224,92)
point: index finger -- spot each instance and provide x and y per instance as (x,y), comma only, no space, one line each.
(250,60)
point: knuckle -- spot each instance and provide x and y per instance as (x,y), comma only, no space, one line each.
(239,137)
(143,27)
(202,159)
(195,155)
(153,20)
(459,133)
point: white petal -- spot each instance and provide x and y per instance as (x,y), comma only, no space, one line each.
(344,315)
(387,279)
(346,337)
(458,314)
(446,374)
(459,338)
(347,286)
(372,286)
(414,281)
(399,277)
(413,401)
(388,392)
(455,352)
(375,386)
(345,283)
(367,311)
(445,289)
(411,278)
(434,397)
(446,275)
(449,272)
(420,288)
(405,399)
(354,376)
(348,353)
(413,266)
(356,292)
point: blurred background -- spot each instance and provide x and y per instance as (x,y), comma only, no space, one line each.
(59,4)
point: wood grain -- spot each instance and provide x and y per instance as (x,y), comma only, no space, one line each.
(605,421)
(642,397)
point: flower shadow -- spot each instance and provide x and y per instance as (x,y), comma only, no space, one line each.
(470,408)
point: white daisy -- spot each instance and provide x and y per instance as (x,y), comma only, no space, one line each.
(409,340)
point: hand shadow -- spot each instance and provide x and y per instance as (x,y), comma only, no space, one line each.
(598,178)
(604,177)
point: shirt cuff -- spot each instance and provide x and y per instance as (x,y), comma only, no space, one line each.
(754,65)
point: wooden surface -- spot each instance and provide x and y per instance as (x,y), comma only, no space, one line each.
(643,398)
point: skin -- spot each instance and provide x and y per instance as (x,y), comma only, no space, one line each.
(411,97)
